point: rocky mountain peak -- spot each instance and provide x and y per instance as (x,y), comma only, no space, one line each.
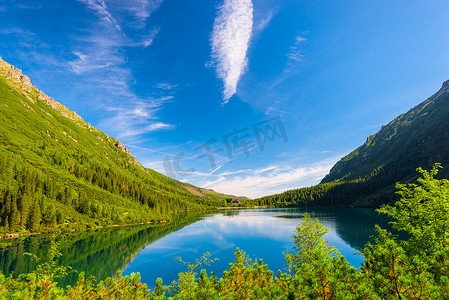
(15,78)
(444,88)
(445,84)
(15,75)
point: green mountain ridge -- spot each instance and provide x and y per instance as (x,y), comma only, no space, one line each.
(58,172)
(367,176)
(418,138)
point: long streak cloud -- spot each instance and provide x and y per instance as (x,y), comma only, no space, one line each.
(230,39)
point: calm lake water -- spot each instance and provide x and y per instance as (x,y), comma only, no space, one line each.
(150,250)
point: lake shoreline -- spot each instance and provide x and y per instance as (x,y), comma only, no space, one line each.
(16,235)
(242,207)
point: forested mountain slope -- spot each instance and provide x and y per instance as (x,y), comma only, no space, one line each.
(367,176)
(56,170)
(419,137)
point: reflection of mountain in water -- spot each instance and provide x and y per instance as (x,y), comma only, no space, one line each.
(354,225)
(98,252)
(230,213)
(104,251)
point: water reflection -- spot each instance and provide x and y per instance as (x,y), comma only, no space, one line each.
(150,250)
(100,253)
(264,233)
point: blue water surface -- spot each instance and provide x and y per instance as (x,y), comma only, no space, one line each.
(261,233)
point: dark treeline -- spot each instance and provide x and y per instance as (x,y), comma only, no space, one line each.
(375,190)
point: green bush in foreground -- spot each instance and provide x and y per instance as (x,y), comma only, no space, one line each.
(416,268)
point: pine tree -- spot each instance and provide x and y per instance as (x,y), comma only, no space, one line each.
(24,209)
(15,219)
(6,223)
(35,218)
(6,209)
(50,215)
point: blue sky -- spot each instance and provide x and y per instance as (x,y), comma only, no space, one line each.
(173,78)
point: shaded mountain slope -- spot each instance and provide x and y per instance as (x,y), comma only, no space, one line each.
(368,175)
(419,137)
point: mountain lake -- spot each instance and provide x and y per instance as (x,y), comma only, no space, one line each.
(151,249)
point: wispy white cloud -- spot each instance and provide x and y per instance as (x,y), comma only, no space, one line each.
(273,109)
(152,127)
(135,118)
(295,52)
(102,47)
(99,6)
(144,40)
(100,57)
(269,180)
(34,5)
(292,67)
(263,22)
(165,86)
(87,62)
(16,30)
(141,9)
(159,126)
(230,40)
(147,41)
(151,163)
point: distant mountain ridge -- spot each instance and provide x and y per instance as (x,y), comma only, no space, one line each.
(59,172)
(367,176)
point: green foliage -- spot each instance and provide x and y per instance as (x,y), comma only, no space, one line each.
(40,284)
(204,260)
(187,283)
(110,248)
(58,173)
(320,271)
(414,268)
(420,264)
(367,176)
(309,242)
(394,273)
(423,212)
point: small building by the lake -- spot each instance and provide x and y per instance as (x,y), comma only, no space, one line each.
(236,201)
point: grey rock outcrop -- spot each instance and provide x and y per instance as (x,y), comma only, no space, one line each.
(17,80)
(122,147)
(23,83)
